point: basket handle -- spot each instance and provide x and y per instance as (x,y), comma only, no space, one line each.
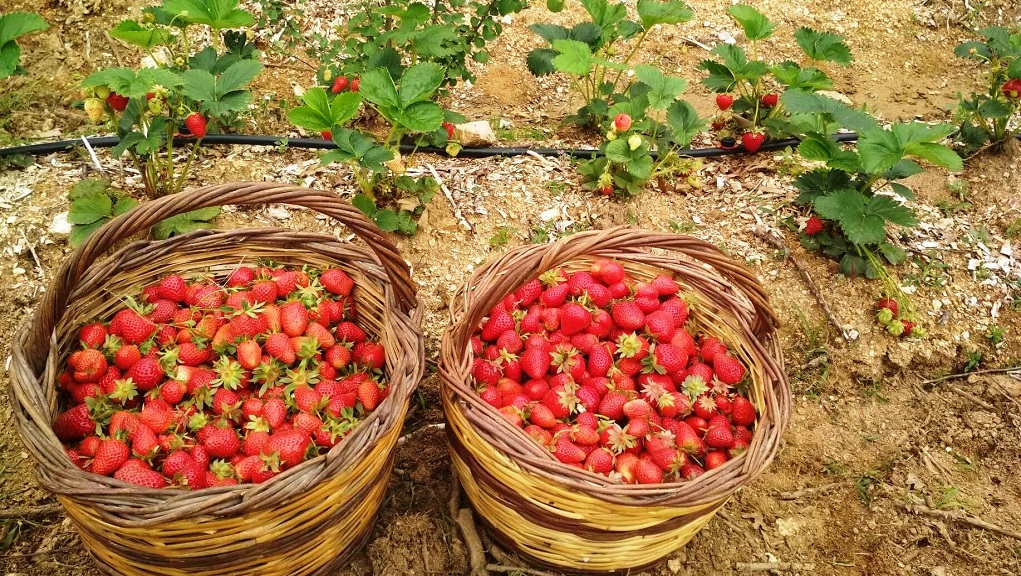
(150,213)
(523,264)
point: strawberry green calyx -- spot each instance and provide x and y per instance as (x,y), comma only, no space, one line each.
(628,345)
(694,386)
(229,373)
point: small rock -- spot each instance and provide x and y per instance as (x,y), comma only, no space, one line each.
(550,214)
(278,212)
(477,133)
(60,226)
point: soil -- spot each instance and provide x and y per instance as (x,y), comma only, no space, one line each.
(871,434)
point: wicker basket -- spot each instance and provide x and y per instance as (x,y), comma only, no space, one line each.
(308,520)
(571,519)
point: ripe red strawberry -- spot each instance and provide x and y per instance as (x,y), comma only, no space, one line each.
(293,318)
(691,471)
(628,316)
(688,439)
(173,288)
(648,472)
(497,324)
(249,354)
(89,365)
(528,293)
(196,124)
(711,346)
(542,416)
(350,332)
(278,345)
(222,442)
(111,455)
(728,369)
(888,304)
(622,122)
(813,225)
(370,394)
(157,415)
(609,271)
(770,100)
(724,101)
(138,472)
(449,129)
(289,445)
(369,354)
(133,327)
(554,296)
(719,434)
(715,459)
(74,424)
(173,391)
(226,401)
(92,335)
(585,435)
(321,334)
(190,354)
(742,411)
(336,282)
(606,190)
(574,318)
(599,461)
(117,102)
(626,465)
(264,291)
(753,141)
(568,452)
(354,84)
(670,358)
(340,83)
(275,412)
(146,373)
(89,445)
(638,408)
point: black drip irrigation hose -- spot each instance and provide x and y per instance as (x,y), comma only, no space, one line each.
(469,152)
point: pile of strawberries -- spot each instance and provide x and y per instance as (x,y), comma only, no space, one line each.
(603,371)
(219,382)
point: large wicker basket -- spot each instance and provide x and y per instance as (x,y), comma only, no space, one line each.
(571,519)
(308,520)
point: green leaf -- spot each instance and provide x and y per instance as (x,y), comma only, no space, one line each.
(823,46)
(217,14)
(236,77)
(805,102)
(81,232)
(652,12)
(903,169)
(586,32)
(184,223)
(720,78)
(964,50)
(421,116)
(88,209)
(793,76)
(735,58)
(353,146)
(663,89)
(132,32)
(994,109)
(890,210)
(88,187)
(18,24)
(684,121)
(10,55)
(437,41)
(1014,69)
(756,25)
(574,57)
(406,224)
(847,209)
(554,6)
(123,205)
(378,87)
(893,254)
(551,32)
(604,14)
(385,219)
(540,61)
(419,83)
(365,204)
(937,154)
(618,151)
(902,191)
(822,149)
(880,150)
(819,182)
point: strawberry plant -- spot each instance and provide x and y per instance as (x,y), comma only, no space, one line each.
(407,105)
(185,87)
(13,26)
(610,374)
(587,53)
(990,119)
(449,33)
(749,88)
(648,119)
(857,194)
(220,381)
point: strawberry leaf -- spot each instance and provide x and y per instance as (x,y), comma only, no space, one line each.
(823,46)
(418,84)
(540,61)
(651,13)
(586,32)
(755,24)
(663,89)
(386,220)
(604,14)
(684,121)
(217,14)
(89,209)
(18,24)
(793,76)
(377,86)
(574,57)
(319,113)
(184,223)
(132,32)
(863,219)
(551,32)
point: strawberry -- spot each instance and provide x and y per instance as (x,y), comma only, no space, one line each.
(157,415)
(711,346)
(813,225)
(350,332)
(138,472)
(264,291)
(369,354)
(670,357)
(293,318)
(74,424)
(622,122)
(728,369)
(691,471)
(196,124)
(665,285)
(628,316)
(626,465)
(289,445)
(449,129)
(173,288)
(89,365)
(606,190)
(354,84)
(222,442)
(92,335)
(568,452)
(240,276)
(742,411)
(542,416)
(719,434)
(249,354)
(340,83)
(724,101)
(770,100)
(146,373)
(117,102)
(637,409)
(753,141)
(599,461)
(133,327)
(497,324)
(173,391)
(321,334)
(370,394)
(111,455)
(648,472)
(278,345)
(889,304)
(326,134)
(574,318)
(715,459)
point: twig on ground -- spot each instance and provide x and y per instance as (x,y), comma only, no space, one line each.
(41,511)
(969,396)
(694,42)
(962,518)
(403,439)
(810,491)
(450,198)
(31,250)
(973,372)
(777,243)
(114,48)
(466,524)
(770,566)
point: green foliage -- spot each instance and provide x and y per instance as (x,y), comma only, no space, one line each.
(750,79)
(12,27)
(208,80)
(404,218)
(991,118)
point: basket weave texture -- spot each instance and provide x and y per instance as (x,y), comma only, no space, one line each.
(571,519)
(309,520)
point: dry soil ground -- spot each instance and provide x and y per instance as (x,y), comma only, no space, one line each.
(869,438)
